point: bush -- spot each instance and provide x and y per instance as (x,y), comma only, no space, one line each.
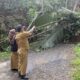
(4,56)
(76,63)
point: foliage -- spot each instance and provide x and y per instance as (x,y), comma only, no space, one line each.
(71,27)
(4,55)
(24,12)
(76,63)
(77,75)
(64,27)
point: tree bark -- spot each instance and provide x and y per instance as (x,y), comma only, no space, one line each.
(75,6)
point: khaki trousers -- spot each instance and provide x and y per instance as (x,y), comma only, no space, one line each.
(14,60)
(22,61)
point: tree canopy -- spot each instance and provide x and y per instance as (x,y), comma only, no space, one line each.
(52,18)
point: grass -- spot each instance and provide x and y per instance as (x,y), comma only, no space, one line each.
(76,63)
(4,56)
(76,75)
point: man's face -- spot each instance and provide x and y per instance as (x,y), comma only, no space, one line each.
(24,28)
(12,32)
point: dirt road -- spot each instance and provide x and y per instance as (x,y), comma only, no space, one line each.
(52,64)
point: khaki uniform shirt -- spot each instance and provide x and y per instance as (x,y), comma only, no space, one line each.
(22,39)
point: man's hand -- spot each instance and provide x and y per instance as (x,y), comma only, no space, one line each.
(32,29)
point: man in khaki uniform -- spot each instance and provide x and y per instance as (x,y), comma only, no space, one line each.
(23,47)
(14,55)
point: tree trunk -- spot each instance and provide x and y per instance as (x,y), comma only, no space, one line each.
(66,4)
(75,6)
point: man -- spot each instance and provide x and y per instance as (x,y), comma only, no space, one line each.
(14,55)
(23,47)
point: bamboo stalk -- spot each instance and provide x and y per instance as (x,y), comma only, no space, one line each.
(34,20)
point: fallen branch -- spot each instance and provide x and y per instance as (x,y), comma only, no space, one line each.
(68,10)
(34,19)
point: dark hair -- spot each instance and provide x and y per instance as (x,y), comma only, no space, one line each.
(18,28)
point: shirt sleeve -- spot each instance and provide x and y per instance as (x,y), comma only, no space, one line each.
(26,33)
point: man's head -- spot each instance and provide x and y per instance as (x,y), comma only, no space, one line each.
(20,28)
(12,32)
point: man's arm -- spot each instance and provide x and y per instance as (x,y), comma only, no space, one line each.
(28,33)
